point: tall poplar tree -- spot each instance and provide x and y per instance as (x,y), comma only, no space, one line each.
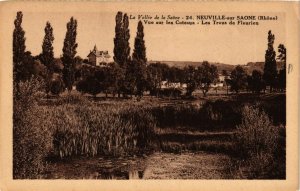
(126,36)
(139,52)
(139,60)
(129,83)
(121,40)
(122,51)
(270,68)
(69,52)
(118,39)
(18,48)
(47,55)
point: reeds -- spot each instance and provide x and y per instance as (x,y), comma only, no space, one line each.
(106,129)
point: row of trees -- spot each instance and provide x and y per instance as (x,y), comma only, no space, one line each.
(130,74)
(44,65)
(145,78)
(273,78)
(127,75)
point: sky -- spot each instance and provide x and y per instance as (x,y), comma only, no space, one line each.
(224,44)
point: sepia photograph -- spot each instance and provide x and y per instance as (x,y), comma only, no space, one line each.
(149,94)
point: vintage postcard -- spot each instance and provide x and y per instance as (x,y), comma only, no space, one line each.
(149,95)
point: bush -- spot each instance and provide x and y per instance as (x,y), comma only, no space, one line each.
(256,134)
(256,143)
(56,86)
(89,85)
(31,138)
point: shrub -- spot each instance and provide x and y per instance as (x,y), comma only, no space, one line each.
(256,134)
(56,86)
(89,85)
(256,143)
(31,138)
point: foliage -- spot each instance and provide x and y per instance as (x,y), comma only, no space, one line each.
(213,115)
(270,68)
(116,77)
(226,80)
(207,74)
(122,52)
(31,67)
(69,52)
(58,65)
(190,79)
(256,134)
(89,85)
(256,142)
(18,47)
(56,86)
(118,40)
(139,60)
(31,136)
(107,79)
(129,83)
(282,72)
(170,92)
(154,78)
(141,77)
(47,55)
(139,51)
(238,79)
(174,74)
(255,82)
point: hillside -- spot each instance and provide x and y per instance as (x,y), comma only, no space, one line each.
(182,64)
(249,67)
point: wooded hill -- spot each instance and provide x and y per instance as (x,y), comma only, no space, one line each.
(249,67)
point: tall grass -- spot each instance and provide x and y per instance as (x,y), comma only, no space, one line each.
(107,129)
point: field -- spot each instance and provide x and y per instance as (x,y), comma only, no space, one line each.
(155,138)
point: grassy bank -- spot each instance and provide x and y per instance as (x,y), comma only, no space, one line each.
(76,126)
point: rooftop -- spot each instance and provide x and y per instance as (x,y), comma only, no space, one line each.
(99,53)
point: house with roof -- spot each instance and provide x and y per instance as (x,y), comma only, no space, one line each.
(98,58)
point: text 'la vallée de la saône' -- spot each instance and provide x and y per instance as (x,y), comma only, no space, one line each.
(203,19)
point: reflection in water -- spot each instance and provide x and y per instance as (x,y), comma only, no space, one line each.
(121,173)
(135,174)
